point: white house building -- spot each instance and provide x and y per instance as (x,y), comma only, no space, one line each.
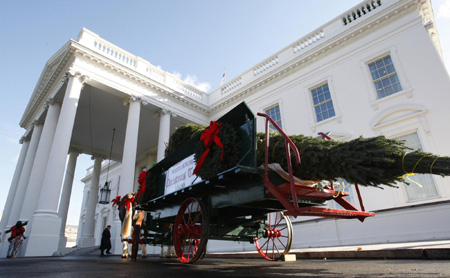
(376,69)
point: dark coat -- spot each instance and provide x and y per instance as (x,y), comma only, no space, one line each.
(106,240)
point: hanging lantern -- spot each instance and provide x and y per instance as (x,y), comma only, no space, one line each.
(105,192)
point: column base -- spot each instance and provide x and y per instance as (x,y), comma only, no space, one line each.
(88,241)
(62,243)
(3,248)
(116,240)
(44,235)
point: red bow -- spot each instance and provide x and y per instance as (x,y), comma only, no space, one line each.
(209,135)
(141,181)
(127,202)
(115,202)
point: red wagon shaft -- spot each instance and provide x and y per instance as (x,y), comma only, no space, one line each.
(295,191)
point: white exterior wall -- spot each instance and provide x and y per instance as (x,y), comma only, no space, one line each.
(422,107)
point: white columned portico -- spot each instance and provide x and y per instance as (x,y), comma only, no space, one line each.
(12,193)
(127,176)
(87,234)
(40,161)
(65,197)
(25,175)
(164,133)
(45,223)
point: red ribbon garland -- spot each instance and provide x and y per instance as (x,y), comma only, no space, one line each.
(208,136)
(141,181)
(115,202)
(127,202)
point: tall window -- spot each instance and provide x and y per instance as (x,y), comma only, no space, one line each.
(385,77)
(323,104)
(414,191)
(274,113)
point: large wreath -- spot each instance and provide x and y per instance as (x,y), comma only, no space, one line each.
(220,150)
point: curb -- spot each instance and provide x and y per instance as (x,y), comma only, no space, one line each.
(411,254)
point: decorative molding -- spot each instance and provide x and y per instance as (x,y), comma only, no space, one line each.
(397,114)
(52,70)
(146,81)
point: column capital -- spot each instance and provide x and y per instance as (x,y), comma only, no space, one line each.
(23,139)
(51,101)
(37,122)
(74,150)
(97,155)
(160,112)
(76,74)
(131,99)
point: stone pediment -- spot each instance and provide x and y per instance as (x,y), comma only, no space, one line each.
(397,114)
(49,76)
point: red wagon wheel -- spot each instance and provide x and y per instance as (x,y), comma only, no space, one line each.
(191,231)
(277,238)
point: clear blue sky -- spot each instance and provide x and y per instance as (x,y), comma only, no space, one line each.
(196,39)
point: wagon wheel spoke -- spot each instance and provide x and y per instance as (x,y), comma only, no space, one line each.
(276,239)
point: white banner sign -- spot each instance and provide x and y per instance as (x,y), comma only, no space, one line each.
(180,175)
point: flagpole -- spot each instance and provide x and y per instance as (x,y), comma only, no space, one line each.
(223,78)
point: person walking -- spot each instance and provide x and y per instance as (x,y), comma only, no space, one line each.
(17,232)
(106,241)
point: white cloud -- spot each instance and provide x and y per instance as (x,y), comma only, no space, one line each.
(193,81)
(444,10)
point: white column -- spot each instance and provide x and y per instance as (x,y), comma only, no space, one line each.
(45,224)
(65,197)
(130,146)
(164,133)
(87,236)
(98,230)
(40,161)
(25,176)
(13,188)
(128,165)
(82,213)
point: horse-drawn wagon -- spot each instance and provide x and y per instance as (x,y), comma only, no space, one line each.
(243,202)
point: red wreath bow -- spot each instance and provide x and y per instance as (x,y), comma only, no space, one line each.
(141,181)
(127,202)
(209,135)
(115,202)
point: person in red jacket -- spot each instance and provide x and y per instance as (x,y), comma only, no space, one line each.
(17,231)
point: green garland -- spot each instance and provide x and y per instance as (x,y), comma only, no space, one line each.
(181,135)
